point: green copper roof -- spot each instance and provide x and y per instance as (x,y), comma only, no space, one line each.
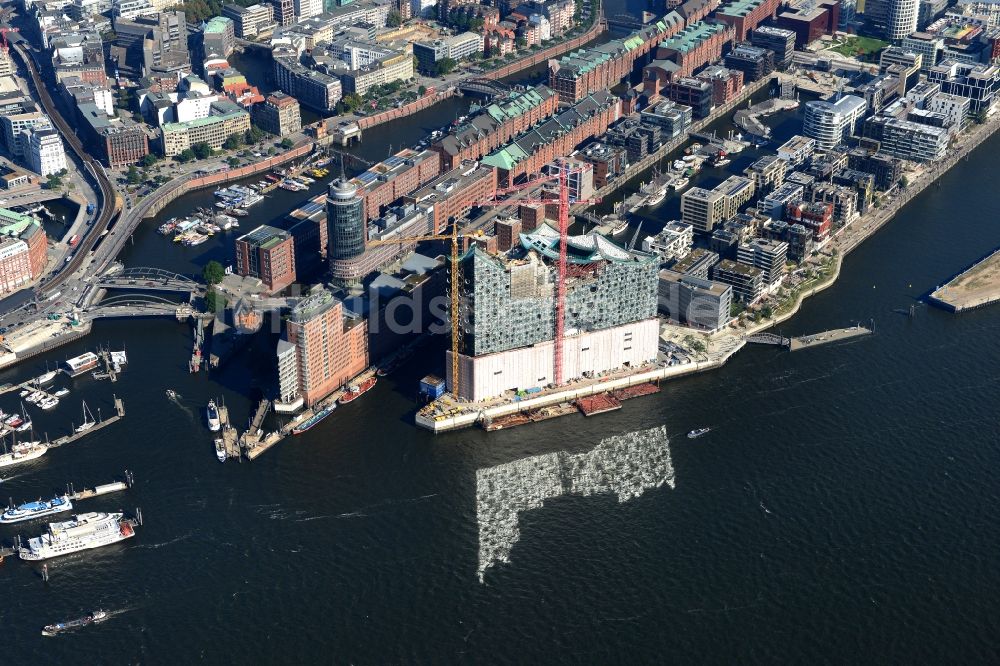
(13,223)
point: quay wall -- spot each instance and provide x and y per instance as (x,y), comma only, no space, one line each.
(940,298)
(569,393)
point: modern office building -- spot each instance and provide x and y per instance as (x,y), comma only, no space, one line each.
(908,140)
(672,118)
(774,204)
(218,37)
(330,348)
(703,209)
(777,40)
(311,88)
(797,150)
(902,20)
(747,281)
(268,254)
(979,83)
(225,119)
(830,123)
(754,61)
(697,302)
(251,21)
(345,221)
(767,255)
(767,174)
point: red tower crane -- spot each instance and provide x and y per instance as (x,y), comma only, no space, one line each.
(3,36)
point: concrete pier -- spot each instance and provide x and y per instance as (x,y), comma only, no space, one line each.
(826,337)
(976,287)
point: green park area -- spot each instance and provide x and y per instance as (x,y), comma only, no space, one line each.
(859,47)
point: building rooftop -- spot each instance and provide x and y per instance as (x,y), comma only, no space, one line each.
(584,249)
(692,36)
(739,7)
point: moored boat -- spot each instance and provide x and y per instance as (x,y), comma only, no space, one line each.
(355,391)
(212,413)
(23,452)
(83,532)
(80,364)
(220,449)
(33,510)
(313,420)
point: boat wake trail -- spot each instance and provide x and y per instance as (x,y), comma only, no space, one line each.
(364,511)
(166,543)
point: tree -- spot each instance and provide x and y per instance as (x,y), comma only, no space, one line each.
(185,155)
(272,151)
(422,90)
(904,181)
(149,160)
(394,19)
(286,143)
(133,176)
(254,134)
(202,150)
(766,311)
(213,273)
(233,161)
(54,181)
(233,142)
(214,301)
(445,66)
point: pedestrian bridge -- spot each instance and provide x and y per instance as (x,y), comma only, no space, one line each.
(150,279)
(479,86)
(769,339)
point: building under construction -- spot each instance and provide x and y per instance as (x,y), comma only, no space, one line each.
(508,313)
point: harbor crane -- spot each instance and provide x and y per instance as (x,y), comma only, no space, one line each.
(564,202)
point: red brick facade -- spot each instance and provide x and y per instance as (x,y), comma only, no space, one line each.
(742,22)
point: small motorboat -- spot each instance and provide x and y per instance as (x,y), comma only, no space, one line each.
(220,449)
(695,434)
(172,394)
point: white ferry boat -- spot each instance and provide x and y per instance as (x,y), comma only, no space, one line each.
(85,531)
(23,452)
(80,364)
(33,510)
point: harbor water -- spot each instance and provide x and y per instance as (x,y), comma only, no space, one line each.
(842,506)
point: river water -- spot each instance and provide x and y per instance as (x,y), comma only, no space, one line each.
(842,509)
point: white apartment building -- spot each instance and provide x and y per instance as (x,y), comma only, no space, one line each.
(674,242)
(46,155)
(832,122)
(307,8)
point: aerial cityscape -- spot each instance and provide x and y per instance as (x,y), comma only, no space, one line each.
(491,313)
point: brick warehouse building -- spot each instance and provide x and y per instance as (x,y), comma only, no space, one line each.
(695,46)
(397,176)
(746,15)
(556,137)
(495,125)
(580,73)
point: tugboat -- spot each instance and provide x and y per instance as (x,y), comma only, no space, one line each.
(695,434)
(355,391)
(59,627)
(314,419)
(213,417)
